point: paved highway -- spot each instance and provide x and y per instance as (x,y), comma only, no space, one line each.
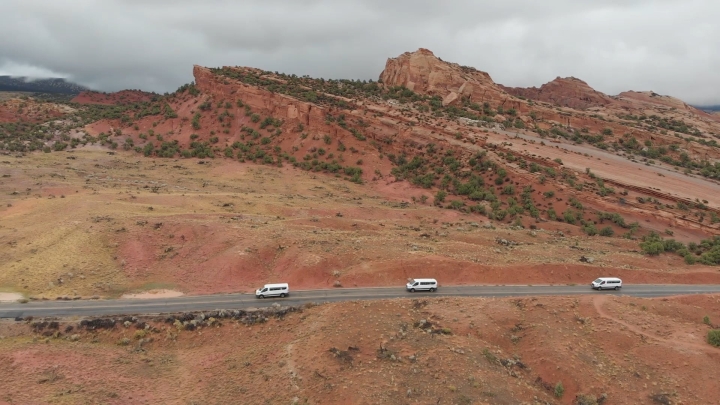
(243,301)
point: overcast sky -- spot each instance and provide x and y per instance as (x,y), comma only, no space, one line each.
(669,46)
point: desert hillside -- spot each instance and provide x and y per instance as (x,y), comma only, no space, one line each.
(246,176)
(88,223)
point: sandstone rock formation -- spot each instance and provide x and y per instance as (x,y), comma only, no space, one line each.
(566,92)
(423,72)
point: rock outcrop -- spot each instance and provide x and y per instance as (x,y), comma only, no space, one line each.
(424,73)
(565,92)
(276,104)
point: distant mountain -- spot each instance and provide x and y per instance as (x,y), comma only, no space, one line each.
(708,108)
(58,86)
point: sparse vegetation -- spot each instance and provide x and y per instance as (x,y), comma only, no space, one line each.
(713,337)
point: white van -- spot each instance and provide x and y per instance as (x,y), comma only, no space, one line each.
(420,284)
(606,283)
(273,290)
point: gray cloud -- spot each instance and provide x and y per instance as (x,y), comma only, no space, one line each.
(668,46)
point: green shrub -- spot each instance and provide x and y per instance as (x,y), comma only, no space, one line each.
(671,245)
(590,229)
(480,209)
(569,217)
(706,320)
(713,337)
(652,248)
(499,215)
(440,196)
(559,390)
(575,203)
(711,258)
(551,214)
(690,258)
(456,204)
(607,231)
(549,194)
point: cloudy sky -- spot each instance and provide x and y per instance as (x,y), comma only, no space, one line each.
(669,46)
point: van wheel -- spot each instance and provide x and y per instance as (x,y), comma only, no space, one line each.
(282,295)
(262,296)
(432,290)
(617,288)
(412,290)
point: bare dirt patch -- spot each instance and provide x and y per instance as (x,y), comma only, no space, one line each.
(153,294)
(10,297)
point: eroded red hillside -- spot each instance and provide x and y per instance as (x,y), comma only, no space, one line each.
(120,97)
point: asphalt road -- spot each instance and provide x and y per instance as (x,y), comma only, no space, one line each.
(244,301)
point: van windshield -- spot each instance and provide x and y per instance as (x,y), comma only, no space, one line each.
(598,281)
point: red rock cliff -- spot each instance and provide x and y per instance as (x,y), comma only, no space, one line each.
(278,105)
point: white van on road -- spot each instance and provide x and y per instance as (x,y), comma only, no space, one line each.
(281,290)
(606,283)
(421,284)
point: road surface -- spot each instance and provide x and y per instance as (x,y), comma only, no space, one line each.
(243,301)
